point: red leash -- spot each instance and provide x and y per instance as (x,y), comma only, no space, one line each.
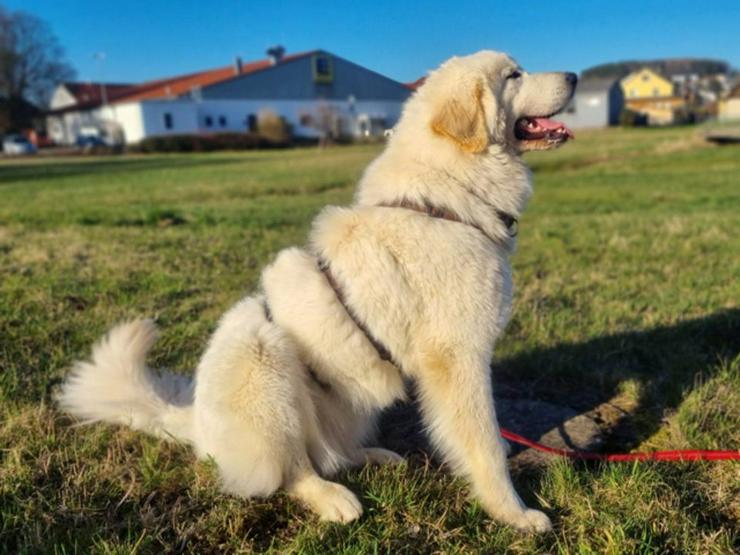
(686,455)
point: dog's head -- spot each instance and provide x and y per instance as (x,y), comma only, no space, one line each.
(485,99)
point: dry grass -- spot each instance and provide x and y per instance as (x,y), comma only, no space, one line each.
(627,292)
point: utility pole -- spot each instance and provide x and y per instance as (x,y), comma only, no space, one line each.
(100,58)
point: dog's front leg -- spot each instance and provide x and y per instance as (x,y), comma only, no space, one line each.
(457,405)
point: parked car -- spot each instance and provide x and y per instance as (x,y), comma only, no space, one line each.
(17,144)
(39,139)
(89,141)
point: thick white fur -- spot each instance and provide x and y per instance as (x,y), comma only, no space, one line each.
(436,293)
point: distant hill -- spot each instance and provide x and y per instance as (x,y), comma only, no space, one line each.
(668,67)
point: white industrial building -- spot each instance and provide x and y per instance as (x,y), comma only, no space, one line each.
(305,89)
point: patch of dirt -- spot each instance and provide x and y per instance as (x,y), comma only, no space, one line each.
(554,425)
(691,142)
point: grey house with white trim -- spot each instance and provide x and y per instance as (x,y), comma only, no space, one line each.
(596,103)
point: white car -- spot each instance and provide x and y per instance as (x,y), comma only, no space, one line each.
(17,144)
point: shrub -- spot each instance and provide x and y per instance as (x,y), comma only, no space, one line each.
(100,150)
(208,143)
(273,127)
(630,118)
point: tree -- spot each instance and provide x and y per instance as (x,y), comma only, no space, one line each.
(17,114)
(32,62)
(325,119)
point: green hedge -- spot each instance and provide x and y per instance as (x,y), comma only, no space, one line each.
(630,118)
(206,143)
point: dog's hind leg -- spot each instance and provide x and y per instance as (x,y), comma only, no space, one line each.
(457,405)
(330,500)
(255,415)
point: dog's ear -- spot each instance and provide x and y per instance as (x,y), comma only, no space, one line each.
(462,119)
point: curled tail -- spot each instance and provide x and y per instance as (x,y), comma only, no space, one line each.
(116,386)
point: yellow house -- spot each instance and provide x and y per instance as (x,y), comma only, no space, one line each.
(729,107)
(645,83)
(649,93)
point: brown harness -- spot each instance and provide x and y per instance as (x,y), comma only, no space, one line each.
(383,351)
(443,213)
(426,208)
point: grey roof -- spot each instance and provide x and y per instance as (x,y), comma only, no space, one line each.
(596,84)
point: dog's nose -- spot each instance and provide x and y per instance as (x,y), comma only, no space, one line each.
(571,78)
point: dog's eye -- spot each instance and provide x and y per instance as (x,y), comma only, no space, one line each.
(516,74)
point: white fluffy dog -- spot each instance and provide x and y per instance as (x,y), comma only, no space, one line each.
(411,281)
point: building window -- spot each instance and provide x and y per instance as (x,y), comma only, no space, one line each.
(322,66)
(323,69)
(655,91)
(222,121)
(208,121)
(251,122)
(168,120)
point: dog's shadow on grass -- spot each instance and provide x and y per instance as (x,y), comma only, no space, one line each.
(539,390)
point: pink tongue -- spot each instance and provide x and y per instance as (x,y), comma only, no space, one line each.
(551,124)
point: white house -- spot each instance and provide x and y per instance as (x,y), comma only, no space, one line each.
(596,103)
(302,88)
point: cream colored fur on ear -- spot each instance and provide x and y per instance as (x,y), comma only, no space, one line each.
(463,120)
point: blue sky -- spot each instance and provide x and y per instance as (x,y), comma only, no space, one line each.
(156,38)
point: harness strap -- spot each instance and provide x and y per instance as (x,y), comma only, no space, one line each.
(311,372)
(511,222)
(383,351)
(430,210)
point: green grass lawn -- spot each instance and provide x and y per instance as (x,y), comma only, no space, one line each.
(627,283)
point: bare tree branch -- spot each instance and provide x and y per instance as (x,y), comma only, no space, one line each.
(32,62)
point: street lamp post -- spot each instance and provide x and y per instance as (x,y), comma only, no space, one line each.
(100,58)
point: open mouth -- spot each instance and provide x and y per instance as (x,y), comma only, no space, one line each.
(542,128)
